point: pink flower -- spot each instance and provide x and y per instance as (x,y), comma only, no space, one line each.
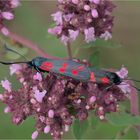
(57,17)
(75,1)
(1,97)
(107,35)
(73,34)
(37,76)
(68,17)
(65,39)
(15,3)
(122,73)
(86,7)
(14,68)
(7,109)
(95,1)
(67,128)
(125,87)
(7,15)
(47,129)
(56,30)
(89,34)
(34,135)
(60,1)
(94,13)
(5,31)
(50,113)
(6,85)
(39,95)
(92,99)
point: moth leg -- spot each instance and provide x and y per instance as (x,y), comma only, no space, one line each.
(36,68)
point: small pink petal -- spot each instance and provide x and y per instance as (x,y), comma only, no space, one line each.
(7,109)
(15,3)
(92,99)
(14,68)
(122,73)
(125,87)
(65,39)
(7,15)
(47,129)
(50,113)
(66,129)
(60,1)
(57,17)
(37,76)
(55,31)
(68,17)
(73,34)
(106,36)
(79,101)
(42,118)
(6,85)
(34,135)
(1,97)
(5,31)
(39,95)
(86,7)
(94,13)
(95,1)
(75,1)
(89,34)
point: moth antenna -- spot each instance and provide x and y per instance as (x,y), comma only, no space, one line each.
(11,50)
(133,80)
(136,88)
(132,86)
(10,63)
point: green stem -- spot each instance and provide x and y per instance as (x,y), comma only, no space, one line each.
(29,44)
(69,50)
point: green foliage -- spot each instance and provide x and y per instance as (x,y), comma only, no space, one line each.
(80,128)
(122,119)
(13,56)
(102,43)
(93,120)
(94,57)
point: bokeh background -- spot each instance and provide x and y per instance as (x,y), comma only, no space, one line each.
(32,19)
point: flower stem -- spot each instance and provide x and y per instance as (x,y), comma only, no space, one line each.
(29,44)
(69,50)
(135,108)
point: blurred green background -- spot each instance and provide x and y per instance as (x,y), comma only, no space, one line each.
(32,20)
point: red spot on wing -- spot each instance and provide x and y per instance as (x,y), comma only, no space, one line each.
(65,65)
(63,68)
(46,66)
(92,77)
(74,72)
(105,80)
(80,68)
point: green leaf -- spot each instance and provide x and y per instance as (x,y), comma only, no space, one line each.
(80,128)
(13,56)
(102,43)
(122,119)
(93,122)
(94,58)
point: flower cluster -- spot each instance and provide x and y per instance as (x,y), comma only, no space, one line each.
(56,101)
(6,12)
(90,17)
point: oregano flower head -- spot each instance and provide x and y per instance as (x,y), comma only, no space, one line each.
(92,18)
(56,101)
(6,13)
